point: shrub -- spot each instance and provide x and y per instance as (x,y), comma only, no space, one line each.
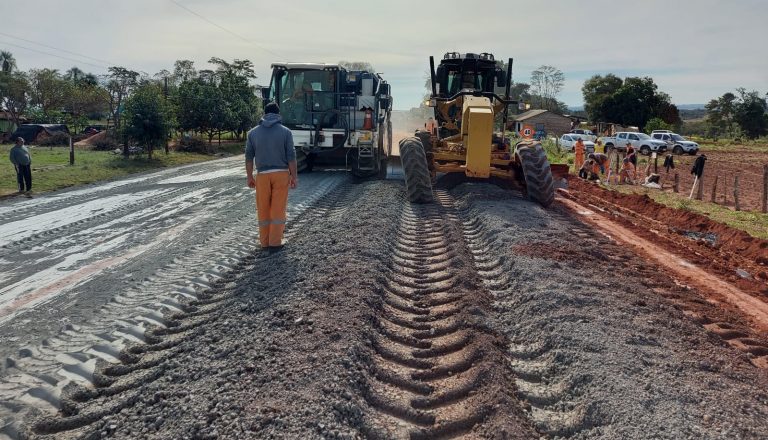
(191,144)
(56,139)
(105,144)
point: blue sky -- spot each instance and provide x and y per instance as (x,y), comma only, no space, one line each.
(695,50)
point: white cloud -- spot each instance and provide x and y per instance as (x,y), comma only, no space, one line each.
(693,49)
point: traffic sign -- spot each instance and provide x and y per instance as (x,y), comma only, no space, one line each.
(527,132)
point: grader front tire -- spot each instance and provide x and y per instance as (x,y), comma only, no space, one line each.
(537,173)
(418,181)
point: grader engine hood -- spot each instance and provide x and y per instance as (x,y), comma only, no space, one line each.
(476,134)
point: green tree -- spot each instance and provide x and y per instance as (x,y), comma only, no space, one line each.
(183,70)
(120,83)
(715,120)
(546,83)
(15,92)
(595,91)
(633,101)
(7,62)
(750,114)
(657,124)
(147,116)
(49,90)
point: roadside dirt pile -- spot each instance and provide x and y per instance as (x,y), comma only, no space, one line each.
(91,141)
(724,250)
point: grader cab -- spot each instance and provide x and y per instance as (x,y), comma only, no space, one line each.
(468,110)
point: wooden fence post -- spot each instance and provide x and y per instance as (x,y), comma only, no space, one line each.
(765,188)
(677,183)
(71,152)
(700,192)
(736,193)
(714,191)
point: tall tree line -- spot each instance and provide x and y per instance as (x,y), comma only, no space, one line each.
(207,102)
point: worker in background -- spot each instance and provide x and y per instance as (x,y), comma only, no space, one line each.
(601,161)
(578,149)
(599,147)
(431,126)
(589,170)
(627,173)
(22,161)
(632,154)
(270,147)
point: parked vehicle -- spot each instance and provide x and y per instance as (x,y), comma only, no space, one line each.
(586,134)
(568,140)
(640,141)
(676,143)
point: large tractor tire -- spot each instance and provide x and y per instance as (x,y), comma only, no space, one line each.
(303,162)
(418,181)
(537,173)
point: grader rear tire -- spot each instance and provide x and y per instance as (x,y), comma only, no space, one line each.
(538,176)
(418,182)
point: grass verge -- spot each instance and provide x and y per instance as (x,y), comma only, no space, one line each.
(51,170)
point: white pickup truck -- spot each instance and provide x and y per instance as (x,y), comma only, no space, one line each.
(640,141)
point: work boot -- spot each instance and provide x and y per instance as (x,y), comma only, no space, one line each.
(275,249)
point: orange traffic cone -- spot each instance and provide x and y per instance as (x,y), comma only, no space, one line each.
(368,122)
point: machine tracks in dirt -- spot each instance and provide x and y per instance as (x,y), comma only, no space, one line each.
(437,370)
(91,370)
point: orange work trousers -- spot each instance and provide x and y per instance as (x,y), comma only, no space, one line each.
(271,200)
(579,159)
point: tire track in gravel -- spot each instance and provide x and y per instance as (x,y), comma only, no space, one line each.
(254,290)
(547,402)
(437,368)
(140,326)
(595,353)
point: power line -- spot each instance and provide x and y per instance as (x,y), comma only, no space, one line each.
(206,19)
(58,48)
(54,55)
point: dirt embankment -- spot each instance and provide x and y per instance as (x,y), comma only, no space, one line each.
(713,244)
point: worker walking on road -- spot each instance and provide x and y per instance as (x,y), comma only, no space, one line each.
(578,149)
(22,161)
(270,146)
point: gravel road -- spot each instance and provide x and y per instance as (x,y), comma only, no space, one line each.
(479,316)
(84,273)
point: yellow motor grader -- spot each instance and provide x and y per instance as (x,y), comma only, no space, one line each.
(467,110)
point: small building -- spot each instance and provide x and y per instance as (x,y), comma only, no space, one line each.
(543,122)
(34,133)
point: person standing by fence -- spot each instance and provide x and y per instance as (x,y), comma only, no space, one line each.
(22,161)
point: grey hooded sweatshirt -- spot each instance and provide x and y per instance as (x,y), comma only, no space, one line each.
(20,155)
(270,144)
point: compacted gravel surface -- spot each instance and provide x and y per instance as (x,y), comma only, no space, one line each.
(479,316)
